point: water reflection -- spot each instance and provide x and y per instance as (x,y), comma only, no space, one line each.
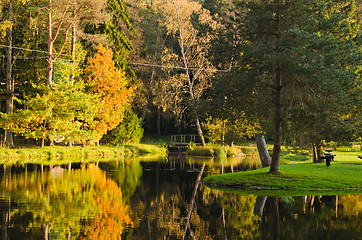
(53,203)
(160,199)
(312,217)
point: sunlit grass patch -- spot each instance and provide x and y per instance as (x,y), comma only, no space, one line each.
(296,177)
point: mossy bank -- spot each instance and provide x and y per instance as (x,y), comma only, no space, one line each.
(76,153)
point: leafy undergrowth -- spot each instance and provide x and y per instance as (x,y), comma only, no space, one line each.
(294,179)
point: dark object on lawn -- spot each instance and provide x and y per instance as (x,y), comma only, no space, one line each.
(360,157)
(328,156)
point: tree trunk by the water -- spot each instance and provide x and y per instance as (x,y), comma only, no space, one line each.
(223,133)
(159,122)
(274,167)
(263,150)
(317,150)
(9,78)
(199,131)
(46,232)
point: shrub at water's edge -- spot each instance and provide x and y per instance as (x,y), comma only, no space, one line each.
(214,151)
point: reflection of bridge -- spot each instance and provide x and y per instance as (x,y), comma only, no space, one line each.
(183,139)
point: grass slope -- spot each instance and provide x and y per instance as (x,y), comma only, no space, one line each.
(344,174)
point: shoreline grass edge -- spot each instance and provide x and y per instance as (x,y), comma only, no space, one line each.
(77,153)
(294,179)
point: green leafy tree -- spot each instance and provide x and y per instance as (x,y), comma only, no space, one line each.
(128,131)
(64,112)
(294,56)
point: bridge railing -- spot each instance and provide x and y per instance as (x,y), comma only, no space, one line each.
(184,138)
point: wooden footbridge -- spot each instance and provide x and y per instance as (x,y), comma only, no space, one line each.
(183,139)
(179,142)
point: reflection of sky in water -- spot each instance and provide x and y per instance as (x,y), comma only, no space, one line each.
(146,199)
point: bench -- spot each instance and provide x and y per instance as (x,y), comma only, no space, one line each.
(328,156)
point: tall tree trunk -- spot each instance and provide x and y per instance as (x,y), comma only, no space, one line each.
(159,122)
(223,133)
(50,46)
(263,150)
(9,78)
(74,29)
(73,52)
(274,167)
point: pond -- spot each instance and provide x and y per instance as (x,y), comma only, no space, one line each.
(160,199)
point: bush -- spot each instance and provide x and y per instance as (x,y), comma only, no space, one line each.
(127,132)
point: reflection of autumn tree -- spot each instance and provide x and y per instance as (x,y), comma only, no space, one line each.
(109,224)
(112,219)
(62,204)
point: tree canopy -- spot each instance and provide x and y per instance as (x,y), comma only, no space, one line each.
(230,68)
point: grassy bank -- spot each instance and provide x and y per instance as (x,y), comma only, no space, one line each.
(300,178)
(218,151)
(250,150)
(75,153)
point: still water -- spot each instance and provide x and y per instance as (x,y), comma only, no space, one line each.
(160,199)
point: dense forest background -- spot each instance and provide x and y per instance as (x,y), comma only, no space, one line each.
(113,71)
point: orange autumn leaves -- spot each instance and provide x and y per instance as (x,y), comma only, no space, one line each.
(113,217)
(110,84)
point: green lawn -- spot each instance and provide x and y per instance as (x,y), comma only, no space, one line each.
(344,174)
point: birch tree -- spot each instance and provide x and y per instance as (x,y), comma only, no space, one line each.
(190,54)
(9,69)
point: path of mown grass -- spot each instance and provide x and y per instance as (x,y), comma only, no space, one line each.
(344,174)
